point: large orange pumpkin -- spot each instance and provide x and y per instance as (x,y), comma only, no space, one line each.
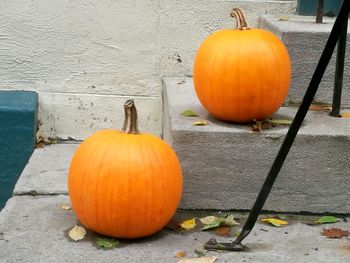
(242,74)
(123,183)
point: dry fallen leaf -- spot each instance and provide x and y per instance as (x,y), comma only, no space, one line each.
(106,242)
(209,259)
(180,254)
(65,207)
(214,221)
(174,225)
(274,221)
(320,107)
(77,233)
(200,123)
(283,18)
(327,220)
(278,122)
(223,231)
(208,220)
(189,113)
(345,115)
(335,233)
(188,224)
(258,126)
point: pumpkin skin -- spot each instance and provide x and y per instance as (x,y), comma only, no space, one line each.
(242,74)
(124,185)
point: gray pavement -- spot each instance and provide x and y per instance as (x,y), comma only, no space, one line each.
(33,229)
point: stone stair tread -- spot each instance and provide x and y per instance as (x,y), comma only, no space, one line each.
(34,229)
(47,171)
(181,96)
(225,164)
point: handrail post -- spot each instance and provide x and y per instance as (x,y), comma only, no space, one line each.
(339,72)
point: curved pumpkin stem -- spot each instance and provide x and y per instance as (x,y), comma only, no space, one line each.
(242,23)
(130,121)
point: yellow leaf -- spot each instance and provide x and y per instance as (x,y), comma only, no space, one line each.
(210,259)
(189,224)
(77,233)
(200,123)
(346,115)
(283,18)
(180,254)
(65,207)
(275,221)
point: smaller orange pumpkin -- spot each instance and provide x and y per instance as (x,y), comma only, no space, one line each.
(123,183)
(242,74)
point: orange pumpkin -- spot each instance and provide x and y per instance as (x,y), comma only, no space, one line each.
(123,183)
(242,74)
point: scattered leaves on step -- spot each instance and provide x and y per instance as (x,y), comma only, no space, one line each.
(345,115)
(200,252)
(280,122)
(180,254)
(77,233)
(211,222)
(200,123)
(189,113)
(327,220)
(224,231)
(188,224)
(259,126)
(320,107)
(230,220)
(65,207)
(106,242)
(274,221)
(208,220)
(209,259)
(335,233)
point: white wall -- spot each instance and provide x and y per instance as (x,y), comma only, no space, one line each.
(86,57)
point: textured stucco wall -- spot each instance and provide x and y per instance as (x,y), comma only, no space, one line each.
(85,57)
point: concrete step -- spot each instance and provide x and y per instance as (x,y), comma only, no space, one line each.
(33,229)
(224,164)
(305,41)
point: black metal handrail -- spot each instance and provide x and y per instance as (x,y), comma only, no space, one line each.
(339,72)
(336,32)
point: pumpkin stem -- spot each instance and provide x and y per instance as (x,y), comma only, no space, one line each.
(242,23)
(130,121)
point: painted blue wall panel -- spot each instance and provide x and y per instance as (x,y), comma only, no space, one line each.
(309,7)
(18,118)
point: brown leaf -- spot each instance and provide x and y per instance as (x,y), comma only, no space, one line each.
(258,126)
(335,233)
(174,225)
(180,254)
(320,107)
(40,145)
(223,231)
